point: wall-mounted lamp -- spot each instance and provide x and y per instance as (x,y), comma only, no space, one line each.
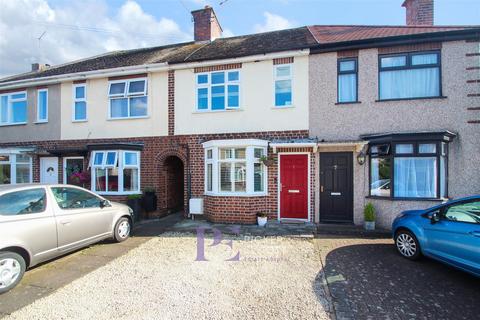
(361,157)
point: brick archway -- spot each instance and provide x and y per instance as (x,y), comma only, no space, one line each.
(172,170)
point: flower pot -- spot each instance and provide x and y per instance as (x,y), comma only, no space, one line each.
(136,206)
(150,202)
(262,221)
(369,225)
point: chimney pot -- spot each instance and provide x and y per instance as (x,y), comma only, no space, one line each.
(40,66)
(419,12)
(206,26)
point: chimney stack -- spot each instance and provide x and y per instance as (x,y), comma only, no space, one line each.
(39,66)
(206,26)
(419,12)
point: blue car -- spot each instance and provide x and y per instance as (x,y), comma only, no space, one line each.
(449,232)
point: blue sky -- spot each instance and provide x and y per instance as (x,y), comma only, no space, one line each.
(59,31)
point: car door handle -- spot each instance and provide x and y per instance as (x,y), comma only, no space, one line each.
(475,233)
(65,222)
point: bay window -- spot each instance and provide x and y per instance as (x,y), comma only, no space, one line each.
(219,90)
(128,98)
(115,171)
(410,75)
(235,168)
(13,108)
(409,169)
(15,168)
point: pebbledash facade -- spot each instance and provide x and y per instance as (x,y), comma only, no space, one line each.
(306,124)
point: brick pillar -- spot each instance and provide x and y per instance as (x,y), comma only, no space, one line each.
(171,102)
(419,12)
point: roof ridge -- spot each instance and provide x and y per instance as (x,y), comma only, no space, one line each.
(392,26)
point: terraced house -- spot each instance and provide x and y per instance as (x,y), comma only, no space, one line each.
(305,124)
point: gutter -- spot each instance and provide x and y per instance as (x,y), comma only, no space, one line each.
(154,67)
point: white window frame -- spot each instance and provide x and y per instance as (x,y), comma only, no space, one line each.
(38,105)
(281,78)
(75,100)
(126,95)
(10,100)
(120,164)
(65,166)
(209,85)
(12,160)
(250,145)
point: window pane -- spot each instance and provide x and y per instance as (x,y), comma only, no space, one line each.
(380,177)
(258,152)
(4,157)
(100,179)
(19,110)
(138,106)
(233,97)
(80,110)
(19,96)
(443,177)
(22,158)
(414,83)
(347,88)
(119,108)
(5,174)
(70,198)
(404,148)
(225,177)
(427,148)
(226,154)
(111,158)
(240,153)
(240,177)
(218,77)
(283,92)
(136,86)
(3,109)
(209,177)
(117,88)
(258,177)
(202,78)
(202,102)
(347,65)
(419,59)
(465,212)
(131,159)
(98,158)
(209,154)
(283,71)
(23,173)
(130,179)
(218,98)
(22,202)
(80,92)
(42,105)
(112,179)
(398,61)
(233,76)
(74,168)
(415,177)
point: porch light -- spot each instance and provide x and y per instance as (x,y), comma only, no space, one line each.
(361,157)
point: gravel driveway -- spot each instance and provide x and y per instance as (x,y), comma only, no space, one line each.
(274,278)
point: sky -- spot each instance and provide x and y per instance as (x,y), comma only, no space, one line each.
(59,31)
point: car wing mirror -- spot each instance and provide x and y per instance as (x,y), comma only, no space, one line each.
(104,203)
(435,217)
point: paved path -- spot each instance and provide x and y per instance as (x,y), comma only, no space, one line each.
(369,280)
(47,278)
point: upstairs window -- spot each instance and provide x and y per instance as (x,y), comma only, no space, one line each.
(13,108)
(218,90)
(283,85)
(410,75)
(79,102)
(42,105)
(347,80)
(128,99)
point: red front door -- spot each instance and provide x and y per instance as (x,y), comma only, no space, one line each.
(294,186)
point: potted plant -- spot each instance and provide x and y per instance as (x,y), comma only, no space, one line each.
(262,219)
(134,201)
(369,216)
(79,178)
(268,161)
(149,200)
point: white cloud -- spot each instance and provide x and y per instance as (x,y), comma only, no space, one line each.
(273,22)
(227,33)
(77,30)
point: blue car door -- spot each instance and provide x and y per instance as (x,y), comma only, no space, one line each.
(455,239)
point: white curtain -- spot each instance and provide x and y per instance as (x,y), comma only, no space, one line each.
(347,88)
(413,83)
(415,177)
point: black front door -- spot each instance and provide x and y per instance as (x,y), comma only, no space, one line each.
(336,187)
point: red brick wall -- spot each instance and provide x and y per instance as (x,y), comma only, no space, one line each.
(419,12)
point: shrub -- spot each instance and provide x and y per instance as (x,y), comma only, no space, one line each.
(262,214)
(134,197)
(369,212)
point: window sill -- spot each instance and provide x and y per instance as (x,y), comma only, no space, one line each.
(75,121)
(283,107)
(128,118)
(41,122)
(232,194)
(217,111)
(117,193)
(407,199)
(13,124)
(407,99)
(347,103)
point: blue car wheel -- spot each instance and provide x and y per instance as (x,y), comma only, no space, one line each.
(407,244)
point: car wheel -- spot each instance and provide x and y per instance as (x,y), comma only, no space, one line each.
(12,268)
(122,229)
(407,245)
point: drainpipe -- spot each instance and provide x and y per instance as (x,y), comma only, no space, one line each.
(189,174)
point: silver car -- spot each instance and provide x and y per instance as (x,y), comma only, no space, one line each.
(40,222)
